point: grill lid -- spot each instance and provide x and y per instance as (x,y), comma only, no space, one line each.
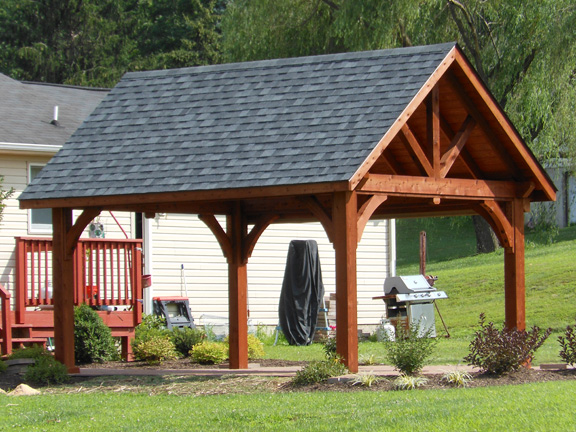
(406,285)
(415,289)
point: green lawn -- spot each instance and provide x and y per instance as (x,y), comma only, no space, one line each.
(533,407)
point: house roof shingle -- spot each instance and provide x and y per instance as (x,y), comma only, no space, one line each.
(28,108)
(267,123)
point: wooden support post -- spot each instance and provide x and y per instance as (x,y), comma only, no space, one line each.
(514,277)
(63,285)
(344,216)
(237,290)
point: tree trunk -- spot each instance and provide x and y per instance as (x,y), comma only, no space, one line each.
(486,240)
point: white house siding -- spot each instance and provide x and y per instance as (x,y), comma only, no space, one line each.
(184,240)
(14,169)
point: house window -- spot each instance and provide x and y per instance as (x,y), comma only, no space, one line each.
(39,220)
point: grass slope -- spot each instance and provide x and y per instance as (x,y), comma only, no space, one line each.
(531,407)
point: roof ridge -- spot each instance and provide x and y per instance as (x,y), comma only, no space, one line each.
(293,61)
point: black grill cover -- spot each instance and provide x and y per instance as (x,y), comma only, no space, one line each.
(302,292)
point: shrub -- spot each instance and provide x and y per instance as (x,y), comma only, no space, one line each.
(93,341)
(500,351)
(409,382)
(151,325)
(329,347)
(457,378)
(568,346)
(46,370)
(368,359)
(209,352)
(411,348)
(255,348)
(185,338)
(319,371)
(155,350)
(3,367)
(29,352)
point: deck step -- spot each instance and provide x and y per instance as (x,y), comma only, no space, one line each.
(24,325)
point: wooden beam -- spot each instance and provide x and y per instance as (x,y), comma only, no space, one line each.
(120,202)
(465,156)
(237,291)
(366,211)
(494,215)
(320,213)
(433,128)
(493,141)
(345,243)
(456,146)
(63,285)
(415,149)
(540,176)
(257,230)
(466,189)
(514,269)
(77,229)
(223,238)
(394,130)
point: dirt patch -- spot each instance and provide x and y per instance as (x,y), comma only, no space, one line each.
(186,364)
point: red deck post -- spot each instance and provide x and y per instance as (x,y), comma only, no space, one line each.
(238,291)
(514,278)
(63,286)
(6,333)
(21,280)
(344,216)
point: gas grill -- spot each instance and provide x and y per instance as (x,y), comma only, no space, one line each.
(410,299)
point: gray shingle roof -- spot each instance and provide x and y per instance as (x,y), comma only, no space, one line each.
(26,110)
(267,123)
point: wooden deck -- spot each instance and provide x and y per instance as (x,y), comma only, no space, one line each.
(108,277)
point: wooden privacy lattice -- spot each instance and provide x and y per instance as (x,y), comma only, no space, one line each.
(107,272)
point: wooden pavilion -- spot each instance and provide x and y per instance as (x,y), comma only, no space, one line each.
(339,139)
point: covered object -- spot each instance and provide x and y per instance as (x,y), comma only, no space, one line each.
(302,292)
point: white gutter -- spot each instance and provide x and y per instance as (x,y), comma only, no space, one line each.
(29,148)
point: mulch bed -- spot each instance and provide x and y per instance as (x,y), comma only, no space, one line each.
(9,380)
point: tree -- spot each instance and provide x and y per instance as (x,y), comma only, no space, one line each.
(94,42)
(524,50)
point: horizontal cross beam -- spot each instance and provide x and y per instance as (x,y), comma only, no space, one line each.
(443,188)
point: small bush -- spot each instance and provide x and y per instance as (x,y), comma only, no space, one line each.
(255,348)
(29,352)
(329,347)
(500,351)
(319,371)
(184,339)
(46,370)
(151,326)
(568,345)
(209,352)
(93,341)
(409,382)
(3,367)
(457,378)
(155,350)
(411,349)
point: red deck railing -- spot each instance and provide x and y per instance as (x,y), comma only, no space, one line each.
(108,273)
